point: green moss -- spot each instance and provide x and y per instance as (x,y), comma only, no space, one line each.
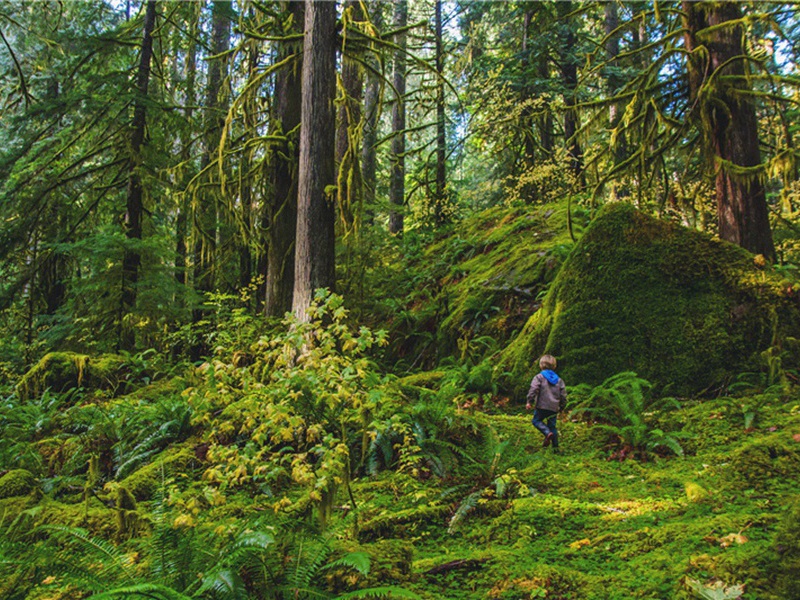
(401,523)
(18,482)
(786,547)
(142,484)
(639,294)
(62,371)
(763,461)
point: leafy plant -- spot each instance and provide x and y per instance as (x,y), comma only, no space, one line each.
(623,406)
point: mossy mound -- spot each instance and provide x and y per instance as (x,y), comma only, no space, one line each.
(143,483)
(62,371)
(479,281)
(640,294)
(18,482)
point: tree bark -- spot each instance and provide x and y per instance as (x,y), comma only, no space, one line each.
(181,225)
(134,204)
(440,193)
(728,122)
(371,115)
(250,110)
(611,23)
(569,73)
(206,221)
(314,258)
(397,186)
(349,118)
(281,212)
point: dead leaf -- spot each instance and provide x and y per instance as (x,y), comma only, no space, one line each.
(796,437)
(731,539)
(580,544)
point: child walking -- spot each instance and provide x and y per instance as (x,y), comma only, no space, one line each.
(548,394)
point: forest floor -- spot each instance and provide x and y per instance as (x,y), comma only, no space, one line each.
(585,526)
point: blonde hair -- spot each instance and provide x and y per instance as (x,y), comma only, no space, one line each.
(547,362)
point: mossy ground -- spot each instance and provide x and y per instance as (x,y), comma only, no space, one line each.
(587,527)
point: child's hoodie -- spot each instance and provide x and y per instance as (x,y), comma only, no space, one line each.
(548,391)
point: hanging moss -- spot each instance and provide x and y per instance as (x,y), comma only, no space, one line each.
(62,371)
(18,482)
(640,294)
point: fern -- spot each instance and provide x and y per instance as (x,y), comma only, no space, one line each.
(464,508)
(142,590)
(379,592)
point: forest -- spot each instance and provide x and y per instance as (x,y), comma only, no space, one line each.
(285,286)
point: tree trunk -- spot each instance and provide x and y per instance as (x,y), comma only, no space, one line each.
(440,194)
(281,212)
(314,257)
(349,119)
(182,221)
(250,110)
(397,185)
(371,114)
(214,117)
(134,205)
(613,84)
(569,74)
(529,144)
(729,124)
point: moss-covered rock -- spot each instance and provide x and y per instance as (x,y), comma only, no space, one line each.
(640,294)
(399,523)
(62,371)
(143,483)
(764,461)
(473,289)
(18,482)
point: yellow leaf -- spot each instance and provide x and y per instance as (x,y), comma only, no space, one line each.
(580,544)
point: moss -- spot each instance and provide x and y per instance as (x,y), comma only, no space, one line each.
(400,523)
(62,371)
(142,484)
(640,294)
(786,546)
(18,482)
(764,461)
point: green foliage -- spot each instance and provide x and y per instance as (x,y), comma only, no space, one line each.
(624,406)
(303,410)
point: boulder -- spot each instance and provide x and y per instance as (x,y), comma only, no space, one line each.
(681,309)
(62,371)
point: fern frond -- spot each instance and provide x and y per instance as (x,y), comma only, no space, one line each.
(380,592)
(143,590)
(358,561)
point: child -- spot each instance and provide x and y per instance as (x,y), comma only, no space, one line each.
(549,395)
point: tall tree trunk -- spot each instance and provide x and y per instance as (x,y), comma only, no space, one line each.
(397,182)
(613,83)
(569,73)
(182,221)
(314,258)
(729,124)
(349,118)
(244,239)
(281,211)
(440,199)
(206,220)
(529,144)
(134,205)
(372,108)
(546,121)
